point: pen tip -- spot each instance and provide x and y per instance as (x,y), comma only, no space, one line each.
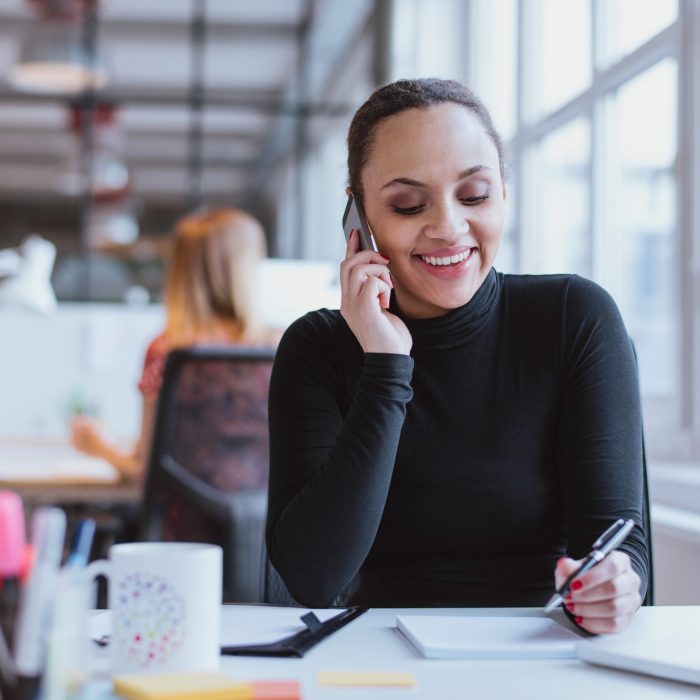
(553,602)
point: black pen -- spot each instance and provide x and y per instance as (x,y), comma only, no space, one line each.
(605,544)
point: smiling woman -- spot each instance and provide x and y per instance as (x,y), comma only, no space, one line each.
(452,436)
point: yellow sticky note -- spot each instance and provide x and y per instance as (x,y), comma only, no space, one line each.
(365,678)
(181,686)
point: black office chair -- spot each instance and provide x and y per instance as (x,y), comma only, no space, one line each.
(646,518)
(206,478)
(646,510)
(274,590)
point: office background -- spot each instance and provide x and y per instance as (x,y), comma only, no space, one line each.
(248,102)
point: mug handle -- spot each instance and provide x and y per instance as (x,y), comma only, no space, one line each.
(100,567)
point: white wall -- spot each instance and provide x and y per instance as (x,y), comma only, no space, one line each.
(93,353)
(675,492)
(81,353)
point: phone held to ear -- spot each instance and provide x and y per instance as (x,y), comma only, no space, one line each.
(354,218)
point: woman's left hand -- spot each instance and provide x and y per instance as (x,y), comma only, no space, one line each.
(605,598)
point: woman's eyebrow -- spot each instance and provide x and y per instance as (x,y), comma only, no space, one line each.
(417,183)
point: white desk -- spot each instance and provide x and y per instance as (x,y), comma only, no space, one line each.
(372,643)
(50,461)
(50,471)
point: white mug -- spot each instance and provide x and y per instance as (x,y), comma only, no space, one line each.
(165,599)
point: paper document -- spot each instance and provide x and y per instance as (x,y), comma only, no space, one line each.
(439,637)
(264,624)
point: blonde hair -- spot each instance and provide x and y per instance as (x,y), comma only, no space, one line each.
(212,280)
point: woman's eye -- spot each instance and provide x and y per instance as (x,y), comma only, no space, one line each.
(408,211)
(471,201)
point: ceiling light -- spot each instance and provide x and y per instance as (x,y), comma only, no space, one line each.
(53,58)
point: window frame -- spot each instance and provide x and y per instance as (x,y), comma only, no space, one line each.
(672,425)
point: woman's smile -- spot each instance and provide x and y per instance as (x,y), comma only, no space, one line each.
(448,263)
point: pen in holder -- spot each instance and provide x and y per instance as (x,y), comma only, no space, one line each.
(37,599)
(68,644)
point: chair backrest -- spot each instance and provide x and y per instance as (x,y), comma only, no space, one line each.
(646,512)
(275,590)
(206,478)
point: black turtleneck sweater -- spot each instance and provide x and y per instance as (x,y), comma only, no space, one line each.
(456,476)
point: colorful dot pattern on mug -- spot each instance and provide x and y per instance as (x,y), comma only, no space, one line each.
(150,615)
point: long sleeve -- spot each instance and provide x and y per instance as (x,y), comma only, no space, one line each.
(330,465)
(599,438)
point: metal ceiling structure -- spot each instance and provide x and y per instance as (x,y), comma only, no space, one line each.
(263,67)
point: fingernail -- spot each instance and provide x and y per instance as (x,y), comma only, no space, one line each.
(391,282)
(568,598)
(576,585)
(578,619)
(569,606)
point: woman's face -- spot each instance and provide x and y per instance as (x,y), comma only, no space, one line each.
(435,202)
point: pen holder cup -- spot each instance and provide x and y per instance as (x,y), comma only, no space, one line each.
(165,602)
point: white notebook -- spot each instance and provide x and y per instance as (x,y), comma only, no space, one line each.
(662,642)
(442,637)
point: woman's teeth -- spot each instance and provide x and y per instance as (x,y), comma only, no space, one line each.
(451,260)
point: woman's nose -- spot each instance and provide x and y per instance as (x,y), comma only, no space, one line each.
(448,224)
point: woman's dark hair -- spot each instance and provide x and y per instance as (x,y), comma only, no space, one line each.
(408,94)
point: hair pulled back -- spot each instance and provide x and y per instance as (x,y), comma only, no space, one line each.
(409,94)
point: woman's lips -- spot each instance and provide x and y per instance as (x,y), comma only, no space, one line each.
(450,270)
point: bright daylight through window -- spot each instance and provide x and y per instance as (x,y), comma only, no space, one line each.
(586,94)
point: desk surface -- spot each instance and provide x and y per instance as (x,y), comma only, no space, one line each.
(50,471)
(371,643)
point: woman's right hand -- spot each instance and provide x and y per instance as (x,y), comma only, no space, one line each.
(366,285)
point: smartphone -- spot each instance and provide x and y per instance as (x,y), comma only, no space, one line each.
(354,218)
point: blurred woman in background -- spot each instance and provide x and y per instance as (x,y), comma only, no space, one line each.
(210,299)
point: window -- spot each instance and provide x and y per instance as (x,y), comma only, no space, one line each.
(586,94)
(559,52)
(645,222)
(561,196)
(629,24)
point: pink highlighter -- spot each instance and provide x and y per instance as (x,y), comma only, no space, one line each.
(12,537)
(12,558)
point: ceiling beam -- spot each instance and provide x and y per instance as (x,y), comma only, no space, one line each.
(41,160)
(140,28)
(261,101)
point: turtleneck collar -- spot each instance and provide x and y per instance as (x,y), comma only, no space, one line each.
(459,324)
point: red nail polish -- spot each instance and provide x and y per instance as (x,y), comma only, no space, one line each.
(578,619)
(570,606)
(576,585)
